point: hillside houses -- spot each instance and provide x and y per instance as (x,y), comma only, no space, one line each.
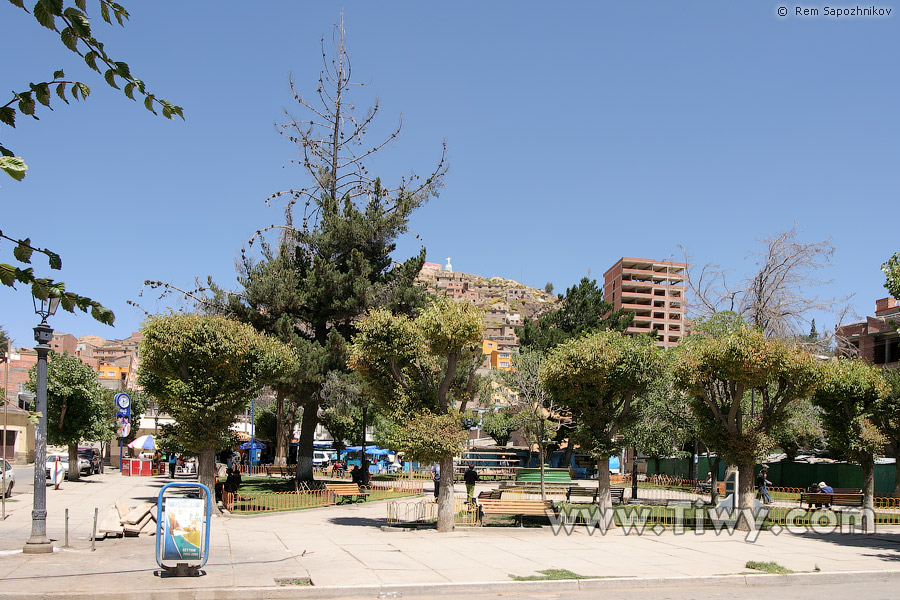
(507,303)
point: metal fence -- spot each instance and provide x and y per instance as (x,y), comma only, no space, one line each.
(263,502)
(425,511)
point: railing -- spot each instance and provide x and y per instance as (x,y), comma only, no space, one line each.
(264,502)
(426,511)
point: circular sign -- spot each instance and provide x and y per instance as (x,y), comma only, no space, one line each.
(123,401)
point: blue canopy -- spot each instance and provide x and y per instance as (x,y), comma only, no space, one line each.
(254,444)
(373,450)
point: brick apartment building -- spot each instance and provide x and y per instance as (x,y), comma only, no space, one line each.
(875,339)
(655,291)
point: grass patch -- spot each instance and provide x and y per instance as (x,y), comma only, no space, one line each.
(768,567)
(294,581)
(551,575)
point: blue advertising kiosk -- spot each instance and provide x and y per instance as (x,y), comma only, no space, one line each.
(182,529)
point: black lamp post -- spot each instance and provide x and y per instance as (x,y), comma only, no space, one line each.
(43,333)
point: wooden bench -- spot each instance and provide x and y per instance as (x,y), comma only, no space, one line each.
(576,491)
(490,494)
(819,498)
(350,491)
(280,470)
(518,508)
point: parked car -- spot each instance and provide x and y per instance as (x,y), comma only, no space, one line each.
(9,478)
(320,458)
(90,455)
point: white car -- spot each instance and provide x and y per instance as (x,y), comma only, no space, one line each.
(9,478)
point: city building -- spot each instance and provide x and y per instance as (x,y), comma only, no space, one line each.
(875,339)
(654,290)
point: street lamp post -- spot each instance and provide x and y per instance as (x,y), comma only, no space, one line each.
(43,333)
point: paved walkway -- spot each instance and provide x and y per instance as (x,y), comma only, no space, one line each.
(346,546)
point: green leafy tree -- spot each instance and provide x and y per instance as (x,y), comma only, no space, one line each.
(75,410)
(344,397)
(886,415)
(742,386)
(500,425)
(540,416)
(70,20)
(850,394)
(802,431)
(411,366)
(599,378)
(891,269)
(324,274)
(265,425)
(203,371)
(583,310)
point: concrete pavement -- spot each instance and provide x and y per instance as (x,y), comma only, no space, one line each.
(345,552)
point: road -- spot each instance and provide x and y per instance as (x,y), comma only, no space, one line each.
(870,590)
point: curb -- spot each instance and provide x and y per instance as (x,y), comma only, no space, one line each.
(459,589)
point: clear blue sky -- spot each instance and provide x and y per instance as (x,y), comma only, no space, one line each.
(578,132)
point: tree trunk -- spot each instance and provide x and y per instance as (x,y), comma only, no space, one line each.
(603,498)
(206,472)
(74,472)
(282,439)
(446,499)
(307,436)
(541,458)
(868,467)
(746,493)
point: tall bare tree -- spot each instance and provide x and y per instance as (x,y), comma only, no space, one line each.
(778,298)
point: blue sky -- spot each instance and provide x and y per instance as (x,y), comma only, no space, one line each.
(578,132)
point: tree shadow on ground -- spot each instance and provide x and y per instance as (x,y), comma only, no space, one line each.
(888,543)
(358,521)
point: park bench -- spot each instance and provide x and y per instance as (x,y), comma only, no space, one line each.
(490,494)
(350,491)
(819,498)
(517,508)
(576,491)
(280,470)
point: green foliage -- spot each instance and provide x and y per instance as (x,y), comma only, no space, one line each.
(265,425)
(742,386)
(802,430)
(850,393)
(74,29)
(598,378)
(75,407)
(664,420)
(583,310)
(500,425)
(719,324)
(427,436)
(42,287)
(410,366)
(203,370)
(891,269)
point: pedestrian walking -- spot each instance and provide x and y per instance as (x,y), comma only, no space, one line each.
(470,477)
(172,460)
(436,478)
(762,485)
